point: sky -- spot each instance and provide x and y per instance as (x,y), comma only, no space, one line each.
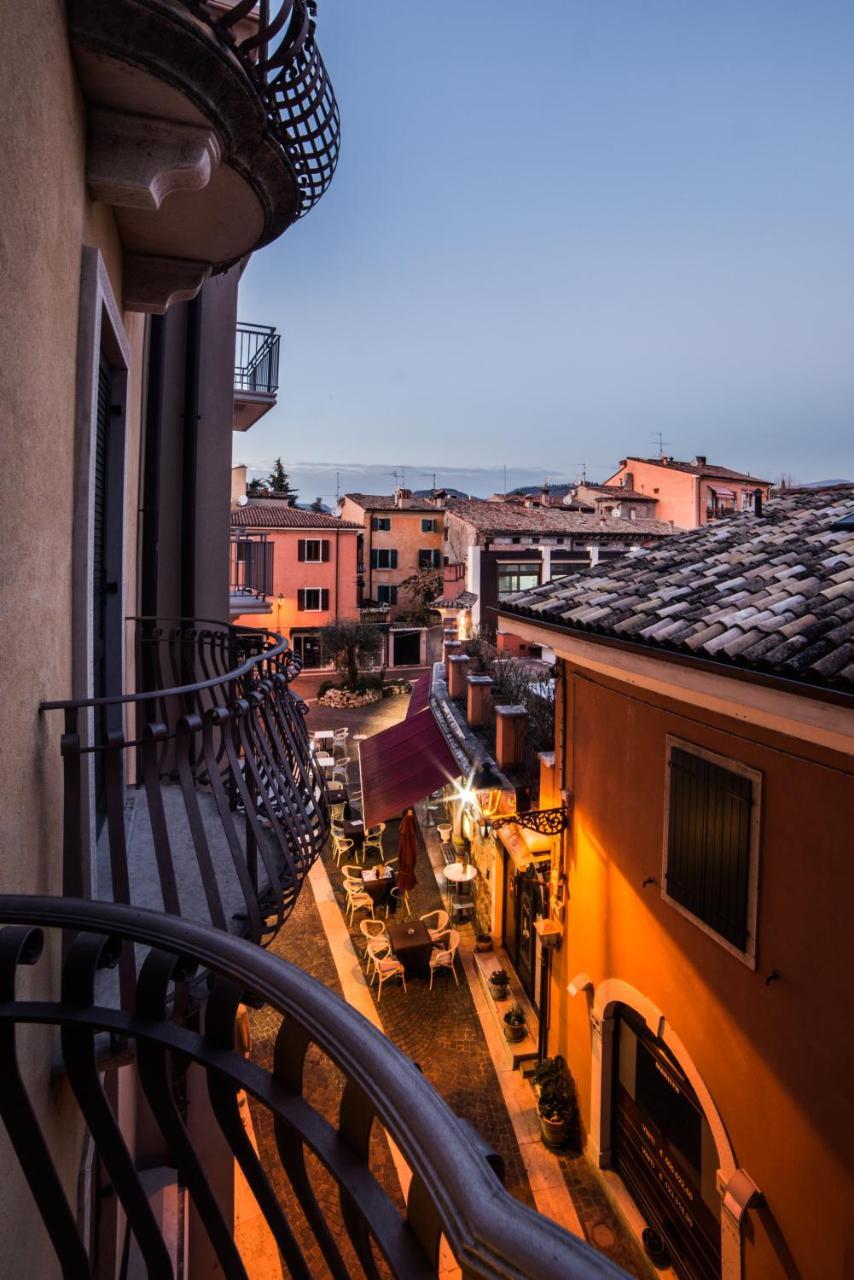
(560,230)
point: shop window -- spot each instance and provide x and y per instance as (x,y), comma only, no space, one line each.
(517,577)
(711,844)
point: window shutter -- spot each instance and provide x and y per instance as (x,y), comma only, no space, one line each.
(301,549)
(301,600)
(324,550)
(324,598)
(708,854)
(393,595)
(393,559)
(374,558)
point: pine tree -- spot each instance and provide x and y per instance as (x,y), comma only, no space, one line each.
(278,482)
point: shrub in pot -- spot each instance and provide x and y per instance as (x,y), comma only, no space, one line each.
(514,1024)
(499,982)
(557,1107)
(549,1074)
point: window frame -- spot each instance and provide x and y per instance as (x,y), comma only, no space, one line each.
(391,552)
(428,524)
(748,956)
(431,555)
(502,565)
(391,588)
(303,593)
(381,524)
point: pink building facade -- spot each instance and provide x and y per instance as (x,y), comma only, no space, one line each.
(690,494)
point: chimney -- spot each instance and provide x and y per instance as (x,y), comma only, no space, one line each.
(402,497)
(700,460)
(238,483)
(529,501)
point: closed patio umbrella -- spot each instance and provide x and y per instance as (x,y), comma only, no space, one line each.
(407,852)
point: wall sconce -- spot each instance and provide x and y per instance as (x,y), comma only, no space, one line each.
(581,982)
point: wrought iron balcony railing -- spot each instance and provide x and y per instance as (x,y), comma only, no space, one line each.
(256,360)
(282,59)
(208,800)
(317,1182)
(251,567)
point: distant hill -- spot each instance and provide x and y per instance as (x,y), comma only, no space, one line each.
(821,484)
(451,493)
(532,490)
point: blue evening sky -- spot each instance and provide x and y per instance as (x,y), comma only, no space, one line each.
(558,228)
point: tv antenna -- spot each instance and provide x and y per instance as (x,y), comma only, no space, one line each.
(661,442)
(399,473)
(432,475)
(582,467)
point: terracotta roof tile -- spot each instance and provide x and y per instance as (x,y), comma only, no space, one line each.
(498,518)
(281,516)
(773,593)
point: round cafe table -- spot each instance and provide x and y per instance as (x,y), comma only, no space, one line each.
(459,874)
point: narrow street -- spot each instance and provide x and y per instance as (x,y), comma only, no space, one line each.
(446,1031)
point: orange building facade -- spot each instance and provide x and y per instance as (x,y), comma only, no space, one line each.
(701,988)
(402,534)
(311,567)
(690,493)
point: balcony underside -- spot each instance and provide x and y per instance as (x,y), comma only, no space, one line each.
(240,606)
(182,144)
(250,406)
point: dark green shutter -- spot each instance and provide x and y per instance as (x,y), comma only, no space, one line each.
(301,600)
(324,550)
(301,549)
(393,559)
(708,848)
(324,598)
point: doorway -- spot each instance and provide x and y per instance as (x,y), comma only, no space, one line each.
(406,648)
(664,1150)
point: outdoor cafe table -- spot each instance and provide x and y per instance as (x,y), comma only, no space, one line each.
(412,944)
(378,886)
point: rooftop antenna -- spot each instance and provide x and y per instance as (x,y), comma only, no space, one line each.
(662,443)
(432,474)
(399,474)
(582,466)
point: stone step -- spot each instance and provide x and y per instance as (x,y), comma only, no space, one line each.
(522,1051)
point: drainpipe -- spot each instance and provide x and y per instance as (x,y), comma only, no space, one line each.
(150,532)
(337,550)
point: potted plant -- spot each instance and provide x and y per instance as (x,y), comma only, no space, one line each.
(548,1072)
(483,942)
(499,982)
(514,1024)
(555,1110)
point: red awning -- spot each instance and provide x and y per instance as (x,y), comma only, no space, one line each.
(403,764)
(419,697)
(722,491)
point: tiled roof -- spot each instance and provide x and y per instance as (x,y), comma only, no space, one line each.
(280,516)
(773,593)
(619,491)
(464,600)
(709,470)
(386,502)
(502,518)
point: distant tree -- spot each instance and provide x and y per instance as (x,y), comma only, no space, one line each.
(278,482)
(423,587)
(255,487)
(317,505)
(347,642)
(785,481)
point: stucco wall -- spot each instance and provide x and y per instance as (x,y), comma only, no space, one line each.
(44,213)
(776,1058)
(405,537)
(290,575)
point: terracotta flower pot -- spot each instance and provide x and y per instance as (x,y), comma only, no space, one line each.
(514,1032)
(555,1132)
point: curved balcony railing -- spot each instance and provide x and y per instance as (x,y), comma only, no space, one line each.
(317,1182)
(281,57)
(199,795)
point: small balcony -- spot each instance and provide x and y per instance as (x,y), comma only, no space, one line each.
(256,373)
(212,126)
(198,1089)
(200,794)
(251,586)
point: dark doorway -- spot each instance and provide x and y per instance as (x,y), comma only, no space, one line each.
(528,908)
(406,648)
(664,1150)
(308,648)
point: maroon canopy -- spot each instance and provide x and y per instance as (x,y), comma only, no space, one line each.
(420,696)
(403,764)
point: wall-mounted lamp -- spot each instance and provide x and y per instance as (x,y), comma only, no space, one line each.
(581,982)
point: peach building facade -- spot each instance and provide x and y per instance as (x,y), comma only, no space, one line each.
(690,493)
(402,534)
(701,987)
(314,578)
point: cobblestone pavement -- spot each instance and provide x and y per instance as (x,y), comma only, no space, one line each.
(602,1228)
